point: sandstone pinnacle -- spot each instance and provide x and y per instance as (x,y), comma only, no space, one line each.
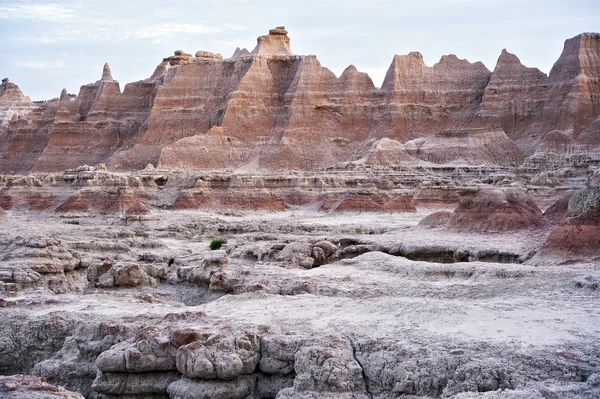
(106,74)
(276,42)
(64,96)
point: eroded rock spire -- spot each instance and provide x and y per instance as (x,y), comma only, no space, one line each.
(106,73)
(64,96)
(276,42)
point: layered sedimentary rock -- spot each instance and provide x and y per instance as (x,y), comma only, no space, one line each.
(514,97)
(386,152)
(527,104)
(271,109)
(13,103)
(100,121)
(421,100)
(591,134)
(24,128)
(85,190)
(577,237)
(489,209)
(468,146)
(577,74)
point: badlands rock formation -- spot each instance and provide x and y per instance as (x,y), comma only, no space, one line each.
(578,235)
(433,238)
(271,109)
(13,104)
(493,210)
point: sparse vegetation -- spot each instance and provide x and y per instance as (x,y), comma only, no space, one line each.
(217,243)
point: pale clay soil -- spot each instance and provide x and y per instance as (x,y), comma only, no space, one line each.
(482,308)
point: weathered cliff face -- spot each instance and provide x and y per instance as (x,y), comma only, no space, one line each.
(527,104)
(514,98)
(99,122)
(421,100)
(271,109)
(577,74)
(25,137)
(12,102)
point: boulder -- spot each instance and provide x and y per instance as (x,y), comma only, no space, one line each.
(220,356)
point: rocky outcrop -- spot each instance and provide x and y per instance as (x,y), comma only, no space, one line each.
(24,128)
(101,120)
(386,152)
(368,202)
(436,219)
(489,209)
(577,237)
(276,42)
(591,134)
(207,54)
(468,146)
(527,104)
(514,100)
(13,103)
(270,109)
(422,100)
(577,75)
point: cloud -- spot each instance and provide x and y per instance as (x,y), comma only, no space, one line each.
(171,30)
(39,65)
(41,12)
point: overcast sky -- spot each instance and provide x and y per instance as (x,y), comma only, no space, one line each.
(48,45)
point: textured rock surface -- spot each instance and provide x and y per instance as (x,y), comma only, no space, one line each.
(468,146)
(13,103)
(578,235)
(26,386)
(422,100)
(493,210)
(517,97)
(297,304)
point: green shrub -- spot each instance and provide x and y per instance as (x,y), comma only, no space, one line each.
(217,243)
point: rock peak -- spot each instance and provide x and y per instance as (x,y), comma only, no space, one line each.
(64,96)
(276,42)
(9,90)
(507,57)
(580,55)
(106,73)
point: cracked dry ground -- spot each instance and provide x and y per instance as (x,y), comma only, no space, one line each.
(295,305)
